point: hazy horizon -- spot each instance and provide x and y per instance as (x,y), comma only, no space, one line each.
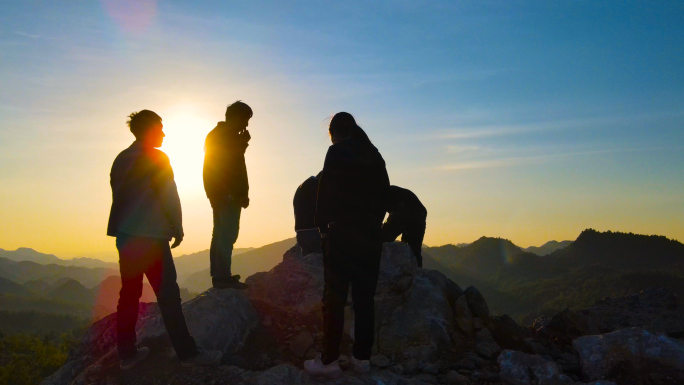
(526,122)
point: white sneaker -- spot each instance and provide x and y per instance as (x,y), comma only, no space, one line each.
(360,366)
(316,367)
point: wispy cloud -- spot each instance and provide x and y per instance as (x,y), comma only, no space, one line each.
(538,159)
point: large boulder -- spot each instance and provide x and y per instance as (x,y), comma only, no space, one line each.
(217,319)
(518,368)
(632,353)
(414,308)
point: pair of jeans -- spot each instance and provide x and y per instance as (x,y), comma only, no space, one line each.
(352,258)
(224,236)
(309,241)
(411,229)
(151,257)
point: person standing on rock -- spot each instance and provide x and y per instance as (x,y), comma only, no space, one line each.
(407,217)
(352,201)
(145,216)
(226,186)
(304,202)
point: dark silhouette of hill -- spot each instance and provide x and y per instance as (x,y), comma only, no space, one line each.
(30,255)
(72,291)
(547,248)
(626,251)
(245,264)
(36,286)
(27,254)
(9,287)
(24,271)
(106,296)
(482,259)
(188,264)
(594,266)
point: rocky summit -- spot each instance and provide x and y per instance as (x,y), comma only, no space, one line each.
(428,331)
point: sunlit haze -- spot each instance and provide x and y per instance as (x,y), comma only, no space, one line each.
(527,121)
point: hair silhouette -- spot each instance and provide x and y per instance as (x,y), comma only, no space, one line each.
(344,125)
(238,110)
(140,121)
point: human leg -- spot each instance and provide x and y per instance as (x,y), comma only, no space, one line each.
(336,288)
(224,236)
(413,235)
(391,229)
(130,250)
(364,284)
(162,277)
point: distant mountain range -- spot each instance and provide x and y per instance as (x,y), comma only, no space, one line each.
(517,281)
(547,248)
(595,265)
(244,264)
(25,254)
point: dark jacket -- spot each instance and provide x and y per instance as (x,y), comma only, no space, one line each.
(353,186)
(225,171)
(405,203)
(145,200)
(304,203)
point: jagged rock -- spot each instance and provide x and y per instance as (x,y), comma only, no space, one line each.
(413,312)
(425,378)
(380,361)
(301,343)
(654,309)
(488,349)
(508,334)
(411,366)
(217,319)
(518,368)
(455,378)
(463,316)
(477,303)
(567,325)
(629,353)
(484,335)
(465,363)
(430,368)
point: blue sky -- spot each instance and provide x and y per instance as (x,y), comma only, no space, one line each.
(524,120)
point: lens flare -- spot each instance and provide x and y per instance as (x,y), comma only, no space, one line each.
(133,16)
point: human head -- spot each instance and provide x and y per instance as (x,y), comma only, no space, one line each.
(343,126)
(238,114)
(146,126)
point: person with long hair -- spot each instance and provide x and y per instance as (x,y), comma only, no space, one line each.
(351,204)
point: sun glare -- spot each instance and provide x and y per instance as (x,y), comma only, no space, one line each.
(184,144)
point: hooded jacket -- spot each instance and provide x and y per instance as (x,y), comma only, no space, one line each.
(353,187)
(225,171)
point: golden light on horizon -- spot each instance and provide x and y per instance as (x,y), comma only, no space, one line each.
(184,144)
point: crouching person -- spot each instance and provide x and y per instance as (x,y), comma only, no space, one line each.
(145,216)
(304,202)
(407,217)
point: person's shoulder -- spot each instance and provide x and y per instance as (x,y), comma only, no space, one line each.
(159,157)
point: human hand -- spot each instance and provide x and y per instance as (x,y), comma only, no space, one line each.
(177,241)
(244,202)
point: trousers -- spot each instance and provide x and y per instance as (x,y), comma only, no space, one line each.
(351,258)
(152,257)
(224,236)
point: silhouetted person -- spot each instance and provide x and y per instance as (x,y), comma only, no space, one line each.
(226,185)
(352,202)
(406,217)
(304,202)
(145,216)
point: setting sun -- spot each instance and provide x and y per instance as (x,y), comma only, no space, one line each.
(184,144)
